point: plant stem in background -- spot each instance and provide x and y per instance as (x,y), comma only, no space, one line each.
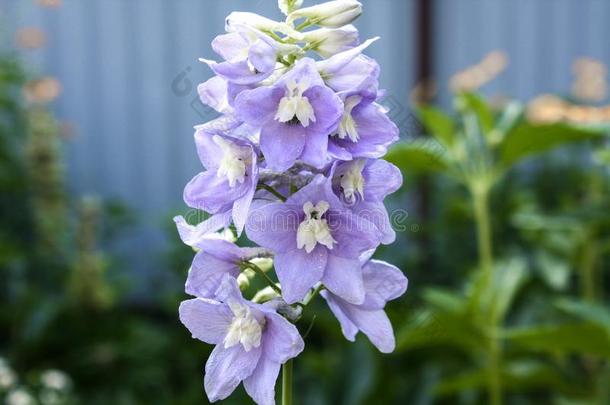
(287,383)
(480,197)
(588,265)
(481,213)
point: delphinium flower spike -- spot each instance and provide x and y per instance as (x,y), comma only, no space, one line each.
(294,159)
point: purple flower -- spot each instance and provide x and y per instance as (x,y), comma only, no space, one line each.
(250,55)
(231,177)
(252,342)
(296,115)
(365,130)
(382,283)
(362,185)
(314,239)
(350,70)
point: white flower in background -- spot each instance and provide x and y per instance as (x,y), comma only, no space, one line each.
(55,379)
(330,41)
(288,6)
(333,14)
(20,396)
(7,375)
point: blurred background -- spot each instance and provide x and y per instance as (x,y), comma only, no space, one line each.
(503,111)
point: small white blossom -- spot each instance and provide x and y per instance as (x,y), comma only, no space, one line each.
(314,229)
(333,14)
(20,396)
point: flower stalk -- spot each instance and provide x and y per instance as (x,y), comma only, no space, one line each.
(287,383)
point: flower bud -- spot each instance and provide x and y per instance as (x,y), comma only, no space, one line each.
(333,14)
(288,6)
(264,295)
(237,19)
(330,41)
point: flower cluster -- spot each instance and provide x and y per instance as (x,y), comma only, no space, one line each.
(294,160)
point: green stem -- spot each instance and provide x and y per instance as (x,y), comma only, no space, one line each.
(480,196)
(481,213)
(495,382)
(287,383)
(272,191)
(587,270)
(264,275)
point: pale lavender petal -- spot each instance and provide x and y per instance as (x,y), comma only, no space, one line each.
(282,144)
(343,277)
(282,338)
(381,178)
(229,291)
(360,74)
(298,271)
(354,234)
(376,213)
(318,189)
(375,325)
(383,282)
(238,72)
(226,368)
(210,193)
(274,226)
(230,46)
(261,384)
(333,65)
(207,320)
(262,56)
(214,93)
(241,206)
(315,151)
(328,109)
(347,326)
(195,235)
(210,266)
(258,106)
(305,70)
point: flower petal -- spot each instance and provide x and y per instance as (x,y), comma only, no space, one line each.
(298,271)
(209,268)
(383,282)
(343,277)
(282,144)
(274,226)
(282,338)
(226,368)
(207,320)
(258,106)
(375,325)
(347,326)
(211,193)
(214,93)
(261,384)
(381,178)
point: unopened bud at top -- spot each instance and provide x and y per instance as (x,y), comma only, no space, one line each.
(237,19)
(288,6)
(330,41)
(333,14)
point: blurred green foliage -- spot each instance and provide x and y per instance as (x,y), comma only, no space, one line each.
(508,297)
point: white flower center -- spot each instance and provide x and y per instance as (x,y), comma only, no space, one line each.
(244,328)
(347,126)
(234,160)
(314,229)
(352,181)
(294,104)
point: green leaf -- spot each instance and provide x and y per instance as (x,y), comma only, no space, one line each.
(494,296)
(445,300)
(439,124)
(422,155)
(597,314)
(528,139)
(471,102)
(516,375)
(582,337)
